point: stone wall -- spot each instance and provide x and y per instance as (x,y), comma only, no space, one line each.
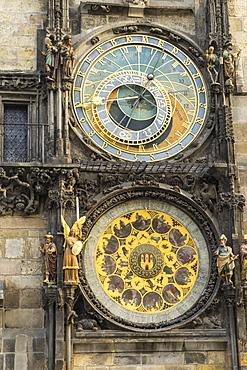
(174,350)
(20,20)
(21,315)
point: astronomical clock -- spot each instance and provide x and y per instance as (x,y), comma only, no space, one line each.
(138,97)
(141,97)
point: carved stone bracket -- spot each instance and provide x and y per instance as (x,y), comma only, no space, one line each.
(69,294)
(231,201)
(50,297)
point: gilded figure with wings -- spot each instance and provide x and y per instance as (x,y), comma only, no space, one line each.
(72,247)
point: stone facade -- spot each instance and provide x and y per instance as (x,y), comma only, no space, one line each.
(21,20)
(38,328)
(22,318)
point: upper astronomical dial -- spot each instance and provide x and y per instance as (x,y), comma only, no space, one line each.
(139,98)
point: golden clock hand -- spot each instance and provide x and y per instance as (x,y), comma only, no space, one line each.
(141,94)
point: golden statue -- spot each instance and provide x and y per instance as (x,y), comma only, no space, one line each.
(72,247)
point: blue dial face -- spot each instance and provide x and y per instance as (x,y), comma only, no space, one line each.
(139,98)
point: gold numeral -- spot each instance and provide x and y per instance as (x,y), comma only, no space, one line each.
(104,145)
(201,90)
(114,43)
(161,43)
(175,64)
(141,148)
(186,124)
(187,62)
(80,74)
(145,39)
(77,89)
(155,146)
(91,133)
(199,120)
(195,75)
(119,152)
(128,38)
(175,50)
(102,62)
(82,120)
(100,50)
(202,105)
(94,71)
(152,157)
(178,133)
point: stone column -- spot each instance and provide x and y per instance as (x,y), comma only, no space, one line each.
(229,296)
(69,290)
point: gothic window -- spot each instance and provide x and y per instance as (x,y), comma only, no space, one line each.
(15,132)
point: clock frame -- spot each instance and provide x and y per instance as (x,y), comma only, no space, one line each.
(170,291)
(139,97)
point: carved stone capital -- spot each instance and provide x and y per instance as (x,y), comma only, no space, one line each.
(229,295)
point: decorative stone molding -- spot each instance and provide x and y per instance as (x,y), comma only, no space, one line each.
(19,81)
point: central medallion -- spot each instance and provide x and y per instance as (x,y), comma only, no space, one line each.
(146,261)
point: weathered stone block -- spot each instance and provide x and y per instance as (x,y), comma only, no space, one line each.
(12,299)
(97,347)
(59,365)
(215,358)
(39,345)
(211,367)
(24,318)
(31,267)
(180,367)
(59,348)
(10,267)
(243,359)
(8,345)
(159,359)
(9,361)
(91,22)
(127,360)
(36,361)
(20,361)
(116,368)
(94,359)
(128,347)
(203,345)
(14,248)
(21,343)
(32,247)
(23,282)
(195,358)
